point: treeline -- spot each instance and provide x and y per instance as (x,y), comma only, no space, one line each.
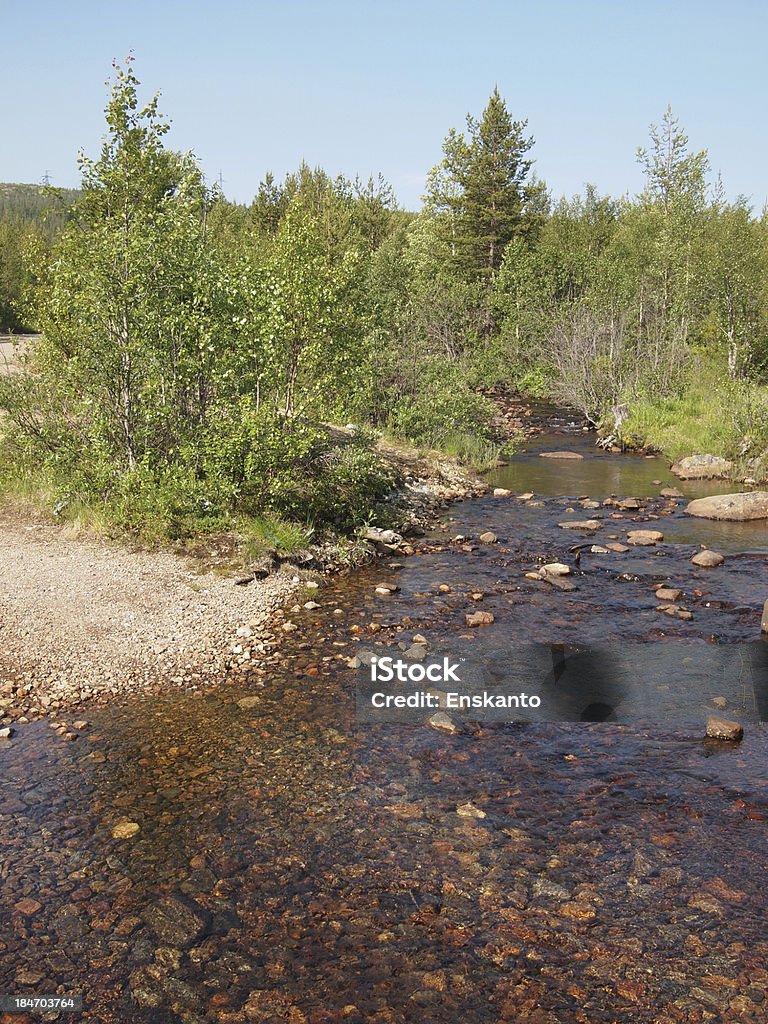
(30,217)
(194,350)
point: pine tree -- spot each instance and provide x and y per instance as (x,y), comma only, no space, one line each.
(482,189)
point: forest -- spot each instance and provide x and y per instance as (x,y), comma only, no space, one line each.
(193,351)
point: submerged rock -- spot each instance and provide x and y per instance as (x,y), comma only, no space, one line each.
(585,524)
(176,920)
(479,618)
(560,455)
(764,620)
(469,810)
(740,507)
(246,703)
(702,467)
(644,538)
(126,830)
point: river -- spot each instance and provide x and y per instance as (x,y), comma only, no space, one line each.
(292,864)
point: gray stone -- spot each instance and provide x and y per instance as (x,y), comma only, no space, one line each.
(442,723)
(702,467)
(707,559)
(555,569)
(739,507)
(560,455)
(644,537)
(764,620)
(585,524)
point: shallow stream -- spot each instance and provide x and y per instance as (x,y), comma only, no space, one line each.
(294,865)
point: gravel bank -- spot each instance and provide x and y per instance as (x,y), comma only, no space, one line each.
(84,619)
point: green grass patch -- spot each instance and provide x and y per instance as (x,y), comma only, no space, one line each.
(712,416)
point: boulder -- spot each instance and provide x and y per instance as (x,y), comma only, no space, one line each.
(707,559)
(501,492)
(702,467)
(560,455)
(585,524)
(671,492)
(733,507)
(489,537)
(669,594)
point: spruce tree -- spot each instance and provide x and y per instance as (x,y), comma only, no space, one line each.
(482,187)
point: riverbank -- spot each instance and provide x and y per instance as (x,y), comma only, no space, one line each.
(84,618)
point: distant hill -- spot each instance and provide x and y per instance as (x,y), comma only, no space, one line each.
(36,204)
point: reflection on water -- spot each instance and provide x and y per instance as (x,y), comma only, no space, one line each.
(294,865)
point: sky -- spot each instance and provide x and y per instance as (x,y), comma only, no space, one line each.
(362,88)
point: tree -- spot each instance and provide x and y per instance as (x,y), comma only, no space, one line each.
(481,188)
(126,306)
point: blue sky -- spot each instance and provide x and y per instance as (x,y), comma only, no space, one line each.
(363,87)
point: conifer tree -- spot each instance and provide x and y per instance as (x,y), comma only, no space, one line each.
(482,188)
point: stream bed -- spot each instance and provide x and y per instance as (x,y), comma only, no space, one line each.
(292,864)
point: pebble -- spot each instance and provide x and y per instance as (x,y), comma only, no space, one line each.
(555,569)
(469,810)
(125,830)
(479,618)
(6,733)
(708,559)
(311,605)
(526,496)
(442,723)
(488,537)
(668,594)
(27,906)
(723,729)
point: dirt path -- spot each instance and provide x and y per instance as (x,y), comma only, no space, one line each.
(82,619)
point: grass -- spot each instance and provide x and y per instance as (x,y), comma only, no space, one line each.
(714,415)
(263,534)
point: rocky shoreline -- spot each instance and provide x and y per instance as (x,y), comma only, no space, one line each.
(85,620)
